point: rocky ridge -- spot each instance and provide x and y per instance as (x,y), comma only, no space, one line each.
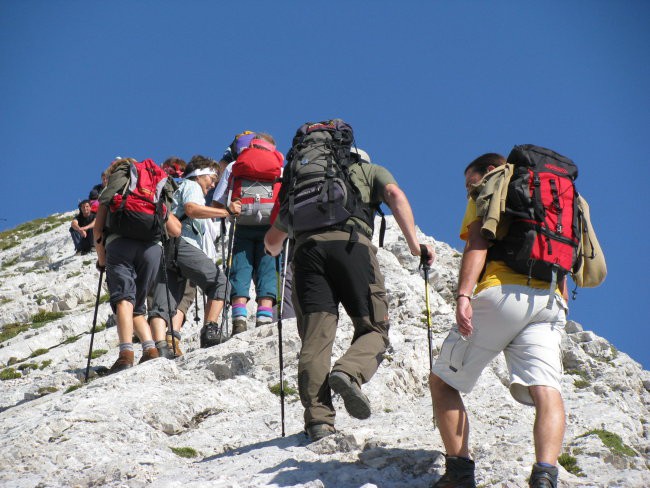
(211,419)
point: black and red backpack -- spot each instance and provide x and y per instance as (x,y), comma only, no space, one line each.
(138,212)
(543,237)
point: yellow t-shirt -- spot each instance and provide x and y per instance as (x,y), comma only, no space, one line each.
(496,272)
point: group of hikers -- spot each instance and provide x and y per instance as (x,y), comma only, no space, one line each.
(311,221)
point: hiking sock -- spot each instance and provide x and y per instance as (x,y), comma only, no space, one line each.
(264,316)
(545,465)
(176,334)
(239,310)
(264,312)
(126,346)
(148,345)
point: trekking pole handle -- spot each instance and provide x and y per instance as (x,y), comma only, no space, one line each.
(424,257)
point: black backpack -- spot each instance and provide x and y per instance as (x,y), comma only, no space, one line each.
(543,237)
(317,192)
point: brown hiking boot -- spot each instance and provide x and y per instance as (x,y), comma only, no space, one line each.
(174,345)
(148,354)
(356,403)
(124,361)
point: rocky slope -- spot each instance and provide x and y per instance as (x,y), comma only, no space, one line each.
(216,405)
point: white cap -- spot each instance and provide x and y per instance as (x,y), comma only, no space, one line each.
(363,155)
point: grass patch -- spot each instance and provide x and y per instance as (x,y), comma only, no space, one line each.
(612,441)
(97,353)
(45,364)
(73,274)
(44,317)
(105,298)
(9,374)
(4,300)
(100,327)
(87,262)
(580,384)
(10,262)
(13,237)
(25,366)
(12,330)
(71,339)
(73,388)
(570,463)
(13,360)
(275,389)
(46,390)
(39,352)
(184,452)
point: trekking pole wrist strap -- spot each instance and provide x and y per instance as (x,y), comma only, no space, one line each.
(230,212)
(461,295)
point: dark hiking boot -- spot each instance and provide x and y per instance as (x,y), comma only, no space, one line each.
(163,350)
(124,361)
(543,477)
(356,403)
(262,321)
(149,354)
(174,345)
(212,335)
(459,473)
(239,325)
(318,431)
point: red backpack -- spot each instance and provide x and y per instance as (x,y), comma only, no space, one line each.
(255,181)
(542,240)
(138,212)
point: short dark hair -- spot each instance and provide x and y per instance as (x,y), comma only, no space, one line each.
(82,203)
(482,163)
(199,162)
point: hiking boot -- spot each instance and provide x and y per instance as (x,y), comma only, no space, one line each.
(148,354)
(318,431)
(543,477)
(238,325)
(212,335)
(260,321)
(174,346)
(459,473)
(124,361)
(163,350)
(356,403)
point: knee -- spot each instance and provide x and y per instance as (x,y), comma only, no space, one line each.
(545,396)
(438,387)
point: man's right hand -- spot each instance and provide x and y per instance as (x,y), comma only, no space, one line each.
(464,316)
(235,207)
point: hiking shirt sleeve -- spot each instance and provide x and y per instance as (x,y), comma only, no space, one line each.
(379,178)
(469,217)
(193,229)
(221,191)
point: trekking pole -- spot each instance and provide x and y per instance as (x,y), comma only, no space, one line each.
(92,333)
(280,294)
(196,305)
(226,304)
(169,305)
(424,256)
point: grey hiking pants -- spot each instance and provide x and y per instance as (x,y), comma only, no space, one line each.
(186,262)
(329,270)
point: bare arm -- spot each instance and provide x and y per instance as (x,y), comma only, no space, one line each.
(173,226)
(471,266)
(401,208)
(196,211)
(98,235)
(273,240)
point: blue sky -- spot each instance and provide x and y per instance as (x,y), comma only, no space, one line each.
(427,85)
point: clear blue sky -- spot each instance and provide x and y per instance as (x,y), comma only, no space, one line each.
(427,85)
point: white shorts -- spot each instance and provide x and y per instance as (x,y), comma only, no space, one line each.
(514,319)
